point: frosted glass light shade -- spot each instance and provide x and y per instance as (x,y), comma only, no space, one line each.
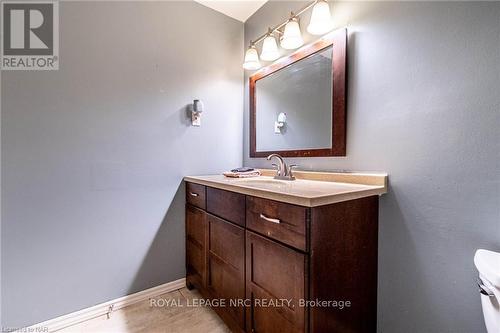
(269,49)
(321,20)
(292,37)
(251,59)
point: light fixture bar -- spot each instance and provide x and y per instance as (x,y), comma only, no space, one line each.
(282,24)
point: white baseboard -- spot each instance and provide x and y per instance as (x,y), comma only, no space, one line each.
(104,308)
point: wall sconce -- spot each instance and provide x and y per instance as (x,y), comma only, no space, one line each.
(278,125)
(196,112)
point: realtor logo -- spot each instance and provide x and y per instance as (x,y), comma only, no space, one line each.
(30,35)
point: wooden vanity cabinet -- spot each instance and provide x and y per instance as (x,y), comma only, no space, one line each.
(257,250)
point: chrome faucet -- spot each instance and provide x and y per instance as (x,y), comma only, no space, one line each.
(283,170)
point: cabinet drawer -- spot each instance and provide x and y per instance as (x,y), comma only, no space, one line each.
(195,195)
(283,222)
(228,205)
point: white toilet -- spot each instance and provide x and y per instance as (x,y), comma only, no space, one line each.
(488,265)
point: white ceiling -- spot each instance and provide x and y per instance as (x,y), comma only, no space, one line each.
(237,9)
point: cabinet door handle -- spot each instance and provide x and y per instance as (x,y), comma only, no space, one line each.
(193,194)
(264,217)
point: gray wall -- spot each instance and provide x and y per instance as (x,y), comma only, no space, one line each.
(93,154)
(423,105)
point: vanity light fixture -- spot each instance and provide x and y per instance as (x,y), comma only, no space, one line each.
(292,37)
(251,58)
(270,50)
(321,19)
(320,23)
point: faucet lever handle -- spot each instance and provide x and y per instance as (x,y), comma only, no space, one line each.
(277,167)
(290,167)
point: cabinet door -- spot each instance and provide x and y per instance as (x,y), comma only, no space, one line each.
(226,270)
(274,273)
(196,247)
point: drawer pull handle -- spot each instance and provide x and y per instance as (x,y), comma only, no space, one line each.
(264,217)
(193,194)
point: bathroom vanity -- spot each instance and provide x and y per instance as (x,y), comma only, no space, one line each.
(286,256)
(290,255)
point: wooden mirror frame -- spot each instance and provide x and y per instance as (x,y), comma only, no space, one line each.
(338,39)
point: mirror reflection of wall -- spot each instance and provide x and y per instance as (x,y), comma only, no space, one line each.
(303,91)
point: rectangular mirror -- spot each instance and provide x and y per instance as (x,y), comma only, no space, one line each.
(297,104)
(302,94)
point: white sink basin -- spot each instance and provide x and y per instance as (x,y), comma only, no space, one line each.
(266,183)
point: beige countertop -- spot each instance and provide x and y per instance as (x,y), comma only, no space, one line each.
(310,189)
